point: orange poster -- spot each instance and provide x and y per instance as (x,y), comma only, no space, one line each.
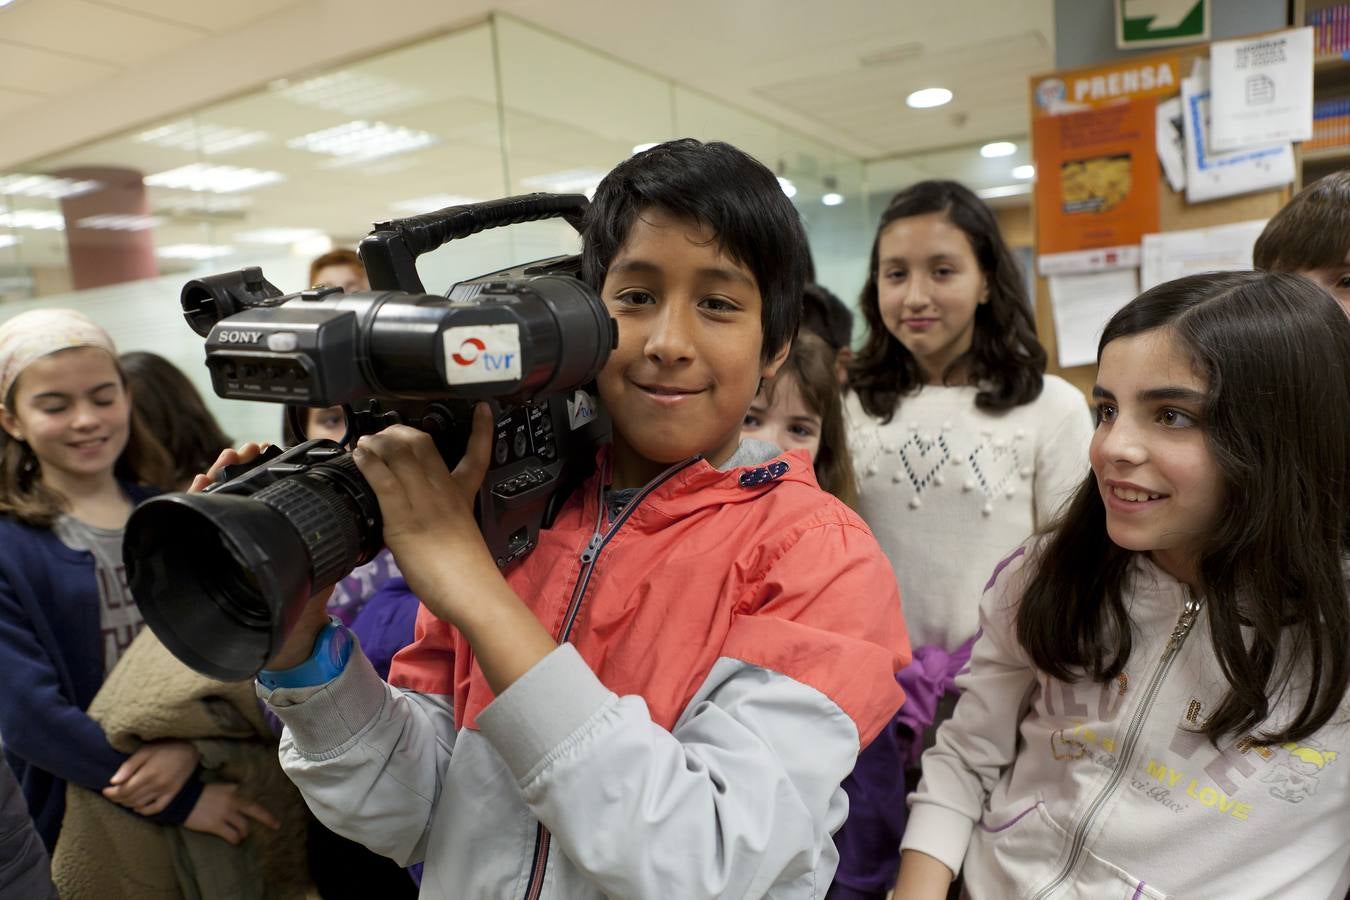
(1096,177)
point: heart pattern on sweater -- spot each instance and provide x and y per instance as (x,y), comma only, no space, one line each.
(923,460)
(994,466)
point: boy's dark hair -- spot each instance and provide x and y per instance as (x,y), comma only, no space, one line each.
(174,412)
(1312,231)
(1274,350)
(1005,360)
(723,189)
(826,315)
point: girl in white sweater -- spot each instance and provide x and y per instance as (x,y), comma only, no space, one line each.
(1157,704)
(963,448)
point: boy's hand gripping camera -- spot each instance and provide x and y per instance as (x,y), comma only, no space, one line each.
(221,576)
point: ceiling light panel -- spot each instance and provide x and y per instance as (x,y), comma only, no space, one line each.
(929,98)
(199,204)
(213,179)
(351,93)
(9,240)
(194,251)
(361,141)
(113,222)
(431,203)
(200,137)
(45,186)
(569,181)
(36,219)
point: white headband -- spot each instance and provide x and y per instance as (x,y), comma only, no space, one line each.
(29,336)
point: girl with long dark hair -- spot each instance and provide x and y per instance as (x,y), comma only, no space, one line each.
(1157,705)
(963,447)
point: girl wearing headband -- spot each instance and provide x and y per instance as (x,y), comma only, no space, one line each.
(74,461)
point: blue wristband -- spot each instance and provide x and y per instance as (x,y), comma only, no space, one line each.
(332,648)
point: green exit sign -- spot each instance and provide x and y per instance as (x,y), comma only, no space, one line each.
(1159,23)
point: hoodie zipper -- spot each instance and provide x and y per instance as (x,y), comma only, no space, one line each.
(1179,632)
(542,837)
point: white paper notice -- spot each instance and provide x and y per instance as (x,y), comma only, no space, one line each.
(1211,175)
(1223,248)
(1074,262)
(1263,90)
(1172,143)
(1083,304)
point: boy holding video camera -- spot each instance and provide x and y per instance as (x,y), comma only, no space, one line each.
(663,698)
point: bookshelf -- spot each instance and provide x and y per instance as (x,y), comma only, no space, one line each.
(1329,150)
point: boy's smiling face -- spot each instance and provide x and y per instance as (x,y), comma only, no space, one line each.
(689,360)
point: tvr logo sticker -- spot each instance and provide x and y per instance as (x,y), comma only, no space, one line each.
(478,353)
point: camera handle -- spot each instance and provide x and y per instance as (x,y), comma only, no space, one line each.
(390,252)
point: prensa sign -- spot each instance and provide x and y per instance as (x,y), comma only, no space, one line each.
(1079,89)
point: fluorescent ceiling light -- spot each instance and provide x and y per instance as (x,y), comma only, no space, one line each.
(45,186)
(360,141)
(431,203)
(1024,172)
(1003,190)
(643,148)
(186,134)
(569,181)
(276,235)
(194,251)
(36,219)
(788,187)
(833,198)
(199,204)
(113,222)
(997,149)
(351,93)
(928,98)
(213,179)
(9,240)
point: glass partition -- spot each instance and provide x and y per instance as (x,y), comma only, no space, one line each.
(277,176)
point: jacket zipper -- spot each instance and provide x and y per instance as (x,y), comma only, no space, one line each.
(1179,632)
(542,837)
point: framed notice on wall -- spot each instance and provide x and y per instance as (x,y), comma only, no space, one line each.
(1096,177)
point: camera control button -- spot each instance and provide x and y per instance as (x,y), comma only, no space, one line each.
(501,451)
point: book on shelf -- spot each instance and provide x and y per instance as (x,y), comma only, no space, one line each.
(1331,35)
(1331,125)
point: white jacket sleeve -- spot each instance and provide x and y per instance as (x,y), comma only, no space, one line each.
(368,758)
(974,747)
(742,795)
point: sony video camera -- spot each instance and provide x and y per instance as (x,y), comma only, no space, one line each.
(221,576)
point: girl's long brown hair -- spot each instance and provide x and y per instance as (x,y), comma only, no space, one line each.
(22,493)
(170,407)
(1275,353)
(811,364)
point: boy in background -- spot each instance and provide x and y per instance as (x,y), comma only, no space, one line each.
(663,698)
(1311,236)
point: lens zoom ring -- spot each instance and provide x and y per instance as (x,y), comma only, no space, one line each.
(326,524)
